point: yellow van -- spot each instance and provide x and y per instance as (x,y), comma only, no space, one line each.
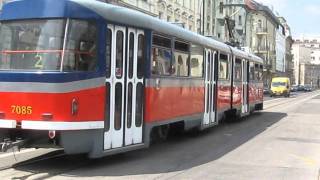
(280,86)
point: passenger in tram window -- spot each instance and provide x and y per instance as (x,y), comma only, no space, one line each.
(81,48)
(238,72)
(87,54)
(51,60)
(155,63)
(223,72)
(161,60)
(180,66)
(27,59)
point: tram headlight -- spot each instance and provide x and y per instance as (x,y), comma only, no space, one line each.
(74,107)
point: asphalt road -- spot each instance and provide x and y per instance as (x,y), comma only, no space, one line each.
(293,94)
(282,142)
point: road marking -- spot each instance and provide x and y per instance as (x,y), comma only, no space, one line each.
(17,153)
(306,160)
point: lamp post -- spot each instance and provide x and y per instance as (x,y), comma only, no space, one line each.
(202,15)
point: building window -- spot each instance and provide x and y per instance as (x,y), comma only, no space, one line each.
(259,23)
(160,15)
(221,7)
(240,20)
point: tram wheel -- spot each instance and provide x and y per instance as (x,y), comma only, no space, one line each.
(163,132)
(159,133)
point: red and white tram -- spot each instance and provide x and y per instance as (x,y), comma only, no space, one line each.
(99,79)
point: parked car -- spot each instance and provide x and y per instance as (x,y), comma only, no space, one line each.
(308,88)
(294,88)
(300,88)
(266,90)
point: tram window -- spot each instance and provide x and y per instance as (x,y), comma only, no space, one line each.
(181,59)
(139,104)
(161,41)
(196,62)
(181,46)
(238,70)
(257,72)
(131,55)
(181,64)
(32,44)
(251,71)
(208,59)
(81,47)
(223,67)
(141,56)
(118,107)
(108,101)
(261,72)
(161,61)
(108,53)
(129,106)
(119,54)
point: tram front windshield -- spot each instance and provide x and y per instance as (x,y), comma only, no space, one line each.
(48,45)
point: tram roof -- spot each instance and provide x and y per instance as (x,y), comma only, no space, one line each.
(122,15)
(135,18)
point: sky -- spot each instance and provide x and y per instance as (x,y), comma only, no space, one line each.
(303,16)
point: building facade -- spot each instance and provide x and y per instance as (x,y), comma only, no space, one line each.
(306,52)
(263,27)
(310,74)
(301,55)
(194,15)
(289,64)
(280,51)
(230,24)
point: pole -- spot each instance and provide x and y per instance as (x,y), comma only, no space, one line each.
(199,8)
(299,74)
(203,19)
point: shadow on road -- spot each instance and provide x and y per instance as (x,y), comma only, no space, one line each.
(179,152)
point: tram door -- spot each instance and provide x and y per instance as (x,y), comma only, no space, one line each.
(210,83)
(125,87)
(245,86)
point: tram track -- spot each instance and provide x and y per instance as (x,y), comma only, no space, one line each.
(48,165)
(276,103)
(51,155)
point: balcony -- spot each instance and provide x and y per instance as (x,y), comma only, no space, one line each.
(261,49)
(261,31)
(267,67)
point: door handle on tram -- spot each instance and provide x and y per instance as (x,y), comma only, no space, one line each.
(158,84)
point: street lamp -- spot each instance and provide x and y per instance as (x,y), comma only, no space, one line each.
(202,5)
